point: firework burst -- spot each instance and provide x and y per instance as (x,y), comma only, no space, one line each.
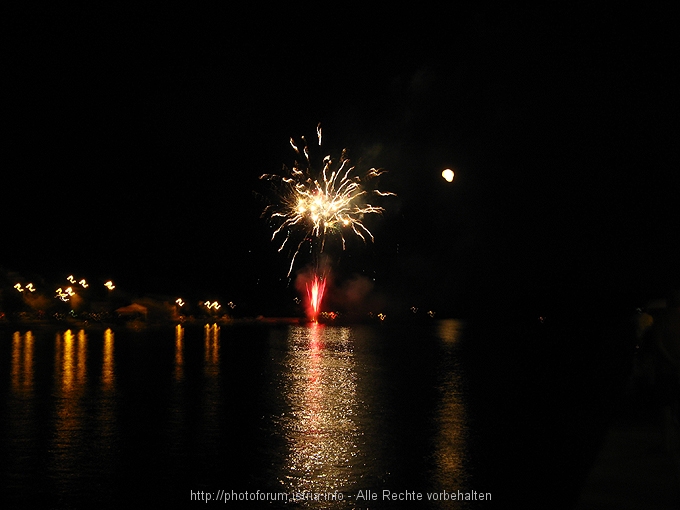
(329,201)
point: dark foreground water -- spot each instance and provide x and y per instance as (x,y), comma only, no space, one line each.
(373,416)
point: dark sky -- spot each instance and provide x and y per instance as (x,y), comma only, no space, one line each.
(134,141)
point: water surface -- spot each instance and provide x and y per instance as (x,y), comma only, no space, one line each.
(98,418)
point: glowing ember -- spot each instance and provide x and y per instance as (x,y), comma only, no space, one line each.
(315,292)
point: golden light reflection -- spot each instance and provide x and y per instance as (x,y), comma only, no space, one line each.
(208,422)
(179,352)
(321,392)
(22,362)
(451,419)
(107,433)
(64,361)
(70,377)
(70,361)
(82,357)
(212,345)
(22,410)
(450,330)
(108,374)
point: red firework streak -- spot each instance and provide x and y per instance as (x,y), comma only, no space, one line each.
(315,292)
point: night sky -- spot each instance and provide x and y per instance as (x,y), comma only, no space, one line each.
(133,142)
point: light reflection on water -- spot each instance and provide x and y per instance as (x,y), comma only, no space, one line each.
(22,408)
(211,396)
(342,399)
(65,452)
(331,395)
(320,427)
(211,339)
(179,352)
(108,372)
(22,362)
(451,420)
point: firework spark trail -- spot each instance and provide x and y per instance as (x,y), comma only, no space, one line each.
(321,203)
(315,293)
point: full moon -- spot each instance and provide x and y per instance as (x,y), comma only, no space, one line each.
(448,175)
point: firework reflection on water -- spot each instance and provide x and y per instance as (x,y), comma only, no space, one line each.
(323,437)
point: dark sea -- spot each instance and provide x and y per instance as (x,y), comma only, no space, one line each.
(436,414)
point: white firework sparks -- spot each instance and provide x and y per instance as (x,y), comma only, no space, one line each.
(330,202)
